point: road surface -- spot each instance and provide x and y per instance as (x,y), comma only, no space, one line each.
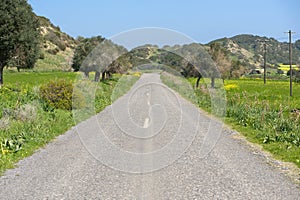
(150,144)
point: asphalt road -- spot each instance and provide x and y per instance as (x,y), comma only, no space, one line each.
(150,144)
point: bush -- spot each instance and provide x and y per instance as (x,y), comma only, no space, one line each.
(54,37)
(79,100)
(42,56)
(53,51)
(57,94)
(26,112)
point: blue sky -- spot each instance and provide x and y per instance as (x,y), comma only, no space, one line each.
(201,20)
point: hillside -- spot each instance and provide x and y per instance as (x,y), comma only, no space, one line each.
(249,50)
(234,56)
(57,48)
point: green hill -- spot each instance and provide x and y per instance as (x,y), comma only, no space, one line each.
(57,48)
(249,49)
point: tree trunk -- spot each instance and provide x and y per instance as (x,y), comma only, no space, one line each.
(103,76)
(212,82)
(108,74)
(97,77)
(1,75)
(198,81)
(86,74)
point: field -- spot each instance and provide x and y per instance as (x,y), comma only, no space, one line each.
(27,122)
(265,114)
(286,68)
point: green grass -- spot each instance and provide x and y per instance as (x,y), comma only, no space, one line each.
(27,124)
(124,84)
(180,85)
(263,114)
(260,112)
(58,62)
(34,78)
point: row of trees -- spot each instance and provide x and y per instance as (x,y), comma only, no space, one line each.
(192,60)
(19,35)
(104,57)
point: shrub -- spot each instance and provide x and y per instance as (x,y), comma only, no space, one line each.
(42,56)
(4,123)
(26,112)
(57,94)
(53,51)
(54,37)
(79,100)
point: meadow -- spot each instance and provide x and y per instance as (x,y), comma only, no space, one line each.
(265,114)
(28,122)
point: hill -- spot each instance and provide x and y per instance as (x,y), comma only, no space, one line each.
(234,56)
(57,48)
(249,50)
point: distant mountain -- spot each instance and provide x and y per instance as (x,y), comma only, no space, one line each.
(249,50)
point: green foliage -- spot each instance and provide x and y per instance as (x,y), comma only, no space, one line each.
(177,58)
(297,44)
(85,46)
(101,57)
(55,39)
(57,94)
(53,51)
(19,35)
(263,113)
(57,48)
(58,62)
(24,125)
(123,85)
(180,85)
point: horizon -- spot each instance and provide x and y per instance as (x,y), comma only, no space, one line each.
(233,18)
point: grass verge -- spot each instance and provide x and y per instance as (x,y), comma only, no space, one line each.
(264,114)
(25,124)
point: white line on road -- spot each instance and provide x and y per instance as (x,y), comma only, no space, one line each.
(146,123)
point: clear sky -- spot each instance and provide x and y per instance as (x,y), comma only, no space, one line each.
(202,20)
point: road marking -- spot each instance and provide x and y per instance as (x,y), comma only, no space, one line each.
(146,123)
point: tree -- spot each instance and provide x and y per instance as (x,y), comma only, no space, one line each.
(101,57)
(19,35)
(221,57)
(200,59)
(85,47)
(297,44)
(294,72)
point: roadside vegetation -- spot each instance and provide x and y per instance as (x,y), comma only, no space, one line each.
(265,114)
(36,107)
